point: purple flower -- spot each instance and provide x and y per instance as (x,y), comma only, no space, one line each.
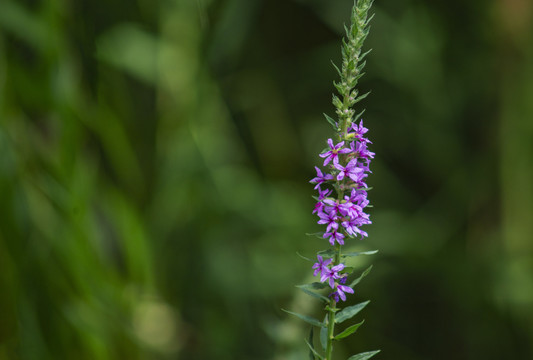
(321,265)
(321,196)
(333,206)
(332,274)
(357,197)
(351,210)
(360,148)
(320,178)
(330,219)
(340,290)
(352,226)
(359,131)
(333,154)
(351,170)
(334,236)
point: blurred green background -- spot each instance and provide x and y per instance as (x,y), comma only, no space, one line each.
(154,166)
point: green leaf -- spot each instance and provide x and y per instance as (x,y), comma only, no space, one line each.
(348,270)
(331,121)
(314,351)
(327,253)
(366,189)
(361,97)
(365,273)
(317,234)
(369,19)
(303,257)
(336,68)
(360,67)
(349,312)
(365,53)
(324,335)
(351,254)
(313,294)
(349,331)
(310,342)
(313,286)
(364,356)
(307,319)
(358,116)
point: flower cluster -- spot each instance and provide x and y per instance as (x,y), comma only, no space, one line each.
(347,163)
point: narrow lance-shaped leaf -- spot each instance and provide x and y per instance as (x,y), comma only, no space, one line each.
(349,312)
(331,253)
(315,353)
(361,57)
(336,68)
(350,330)
(348,269)
(331,121)
(313,294)
(365,273)
(310,342)
(317,234)
(313,286)
(307,319)
(364,356)
(324,334)
(356,117)
(303,257)
(361,97)
(327,253)
(351,254)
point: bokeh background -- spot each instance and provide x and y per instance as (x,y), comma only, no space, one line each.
(154,166)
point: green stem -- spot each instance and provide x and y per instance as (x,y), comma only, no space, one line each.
(331,328)
(332,310)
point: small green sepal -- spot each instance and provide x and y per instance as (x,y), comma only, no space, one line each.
(328,308)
